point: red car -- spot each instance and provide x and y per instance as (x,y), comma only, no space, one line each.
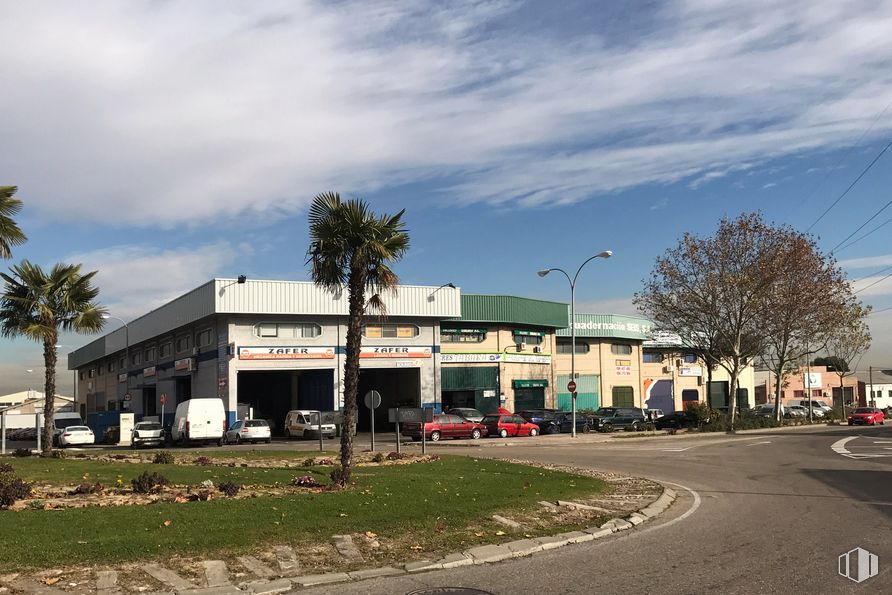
(867,416)
(509,425)
(444,426)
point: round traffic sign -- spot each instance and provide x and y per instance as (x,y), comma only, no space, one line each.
(127,396)
(163,398)
(571,386)
(372,399)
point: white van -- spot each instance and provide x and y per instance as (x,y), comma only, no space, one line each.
(199,420)
(301,423)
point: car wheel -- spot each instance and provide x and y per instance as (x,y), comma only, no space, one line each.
(608,427)
(586,429)
(503,433)
(636,426)
(220,442)
(268,440)
(435,436)
(534,432)
(475,434)
(288,434)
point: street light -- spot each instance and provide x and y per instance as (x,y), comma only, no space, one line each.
(542,273)
(126,346)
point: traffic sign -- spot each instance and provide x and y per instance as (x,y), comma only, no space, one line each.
(163,398)
(372,399)
(127,396)
(571,386)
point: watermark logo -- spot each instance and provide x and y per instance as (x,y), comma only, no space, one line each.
(859,565)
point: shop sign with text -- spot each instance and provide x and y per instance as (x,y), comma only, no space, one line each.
(285,353)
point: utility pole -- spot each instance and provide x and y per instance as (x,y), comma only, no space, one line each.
(870,377)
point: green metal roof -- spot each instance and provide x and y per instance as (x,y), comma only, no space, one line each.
(609,325)
(508,309)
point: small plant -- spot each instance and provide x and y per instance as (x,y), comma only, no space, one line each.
(163,458)
(379,457)
(21,452)
(305,481)
(325,462)
(88,488)
(336,475)
(309,462)
(395,456)
(119,457)
(229,488)
(203,461)
(6,468)
(12,488)
(57,454)
(148,483)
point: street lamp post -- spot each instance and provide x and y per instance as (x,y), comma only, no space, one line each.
(126,346)
(542,273)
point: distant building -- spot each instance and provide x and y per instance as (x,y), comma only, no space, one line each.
(877,388)
(823,386)
(33,402)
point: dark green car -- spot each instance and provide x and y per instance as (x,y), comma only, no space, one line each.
(608,419)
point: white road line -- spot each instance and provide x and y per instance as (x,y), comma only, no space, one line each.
(839,446)
(882,441)
(757,443)
(686,514)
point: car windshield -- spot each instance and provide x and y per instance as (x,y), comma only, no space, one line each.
(256,423)
(148,426)
(67,422)
(864,410)
(605,412)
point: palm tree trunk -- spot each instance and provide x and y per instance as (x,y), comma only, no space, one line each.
(351,374)
(49,391)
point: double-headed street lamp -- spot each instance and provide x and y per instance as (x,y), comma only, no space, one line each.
(542,273)
(126,346)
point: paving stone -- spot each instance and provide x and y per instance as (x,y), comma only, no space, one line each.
(456,560)
(580,506)
(281,585)
(652,511)
(288,562)
(256,566)
(524,547)
(670,492)
(598,532)
(575,536)
(345,546)
(489,553)
(551,542)
(636,519)
(220,590)
(321,579)
(622,524)
(31,586)
(216,573)
(168,577)
(506,521)
(106,581)
(359,575)
(422,565)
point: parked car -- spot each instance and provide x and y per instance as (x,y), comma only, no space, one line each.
(867,416)
(676,420)
(468,413)
(563,422)
(248,430)
(444,426)
(619,418)
(795,411)
(541,417)
(816,405)
(62,420)
(76,435)
(653,414)
(303,423)
(765,411)
(199,420)
(504,425)
(147,433)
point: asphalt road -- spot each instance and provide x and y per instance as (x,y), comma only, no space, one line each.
(758,513)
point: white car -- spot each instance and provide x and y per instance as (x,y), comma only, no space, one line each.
(248,430)
(147,433)
(795,411)
(305,424)
(76,435)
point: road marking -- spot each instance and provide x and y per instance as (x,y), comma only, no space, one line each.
(839,446)
(757,443)
(686,514)
(882,441)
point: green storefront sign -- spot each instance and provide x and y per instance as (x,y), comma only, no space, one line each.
(523,333)
(463,331)
(529,383)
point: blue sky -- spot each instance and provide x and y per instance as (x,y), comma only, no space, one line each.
(164,143)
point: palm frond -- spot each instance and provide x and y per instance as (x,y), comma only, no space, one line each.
(10,233)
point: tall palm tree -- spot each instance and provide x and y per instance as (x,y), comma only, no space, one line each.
(352,247)
(10,234)
(38,305)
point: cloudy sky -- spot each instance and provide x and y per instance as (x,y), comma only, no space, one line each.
(164,143)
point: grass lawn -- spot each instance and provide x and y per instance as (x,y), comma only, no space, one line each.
(430,503)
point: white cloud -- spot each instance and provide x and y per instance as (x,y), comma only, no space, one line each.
(867,262)
(873,285)
(155,113)
(768,185)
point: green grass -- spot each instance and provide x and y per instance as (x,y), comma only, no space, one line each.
(432,503)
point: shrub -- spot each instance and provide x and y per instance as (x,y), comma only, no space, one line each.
(203,461)
(57,454)
(325,462)
(21,452)
(336,474)
(305,481)
(163,458)
(309,462)
(6,468)
(229,488)
(88,488)
(12,488)
(395,456)
(379,457)
(147,482)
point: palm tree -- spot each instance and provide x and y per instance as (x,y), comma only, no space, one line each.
(352,247)
(37,305)
(10,234)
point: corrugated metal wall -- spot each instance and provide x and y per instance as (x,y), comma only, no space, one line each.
(514,310)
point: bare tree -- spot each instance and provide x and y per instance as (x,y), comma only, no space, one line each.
(716,290)
(846,345)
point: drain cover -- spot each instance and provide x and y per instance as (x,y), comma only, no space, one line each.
(452,590)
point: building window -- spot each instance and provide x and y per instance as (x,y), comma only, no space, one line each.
(81,375)
(111,366)
(134,359)
(652,357)
(149,355)
(621,349)
(816,392)
(287,330)
(203,339)
(623,396)
(689,358)
(462,335)
(122,363)
(166,349)
(567,347)
(798,394)
(99,370)
(528,337)
(183,343)
(390,331)
(91,373)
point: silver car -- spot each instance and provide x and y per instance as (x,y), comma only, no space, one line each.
(147,433)
(248,430)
